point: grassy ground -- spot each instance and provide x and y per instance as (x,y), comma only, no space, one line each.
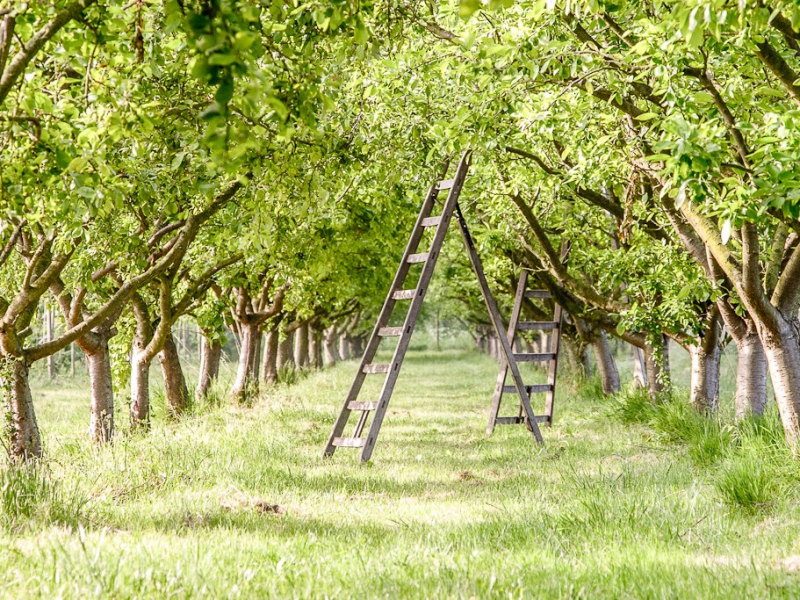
(623,501)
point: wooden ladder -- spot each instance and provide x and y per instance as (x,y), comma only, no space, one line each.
(550,357)
(416,295)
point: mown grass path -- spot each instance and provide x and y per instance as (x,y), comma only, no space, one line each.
(236,502)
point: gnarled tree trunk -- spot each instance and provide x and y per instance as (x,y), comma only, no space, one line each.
(345,346)
(606,365)
(101,426)
(329,346)
(246,384)
(314,348)
(24,433)
(656,362)
(639,369)
(782,349)
(705,358)
(286,352)
(269,368)
(210,357)
(140,388)
(175,389)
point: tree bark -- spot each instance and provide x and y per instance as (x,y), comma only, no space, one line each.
(286,352)
(246,384)
(101,425)
(210,356)
(639,369)
(656,361)
(25,442)
(314,348)
(782,349)
(269,368)
(606,365)
(175,389)
(330,349)
(140,390)
(358,346)
(301,346)
(345,348)
(705,357)
(751,376)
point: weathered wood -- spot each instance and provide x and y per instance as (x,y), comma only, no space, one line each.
(348,442)
(420,257)
(518,420)
(390,331)
(532,389)
(403,294)
(537,294)
(534,357)
(497,323)
(376,368)
(446,184)
(356,405)
(431,221)
(536,326)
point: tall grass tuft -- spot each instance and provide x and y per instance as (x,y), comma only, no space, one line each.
(633,406)
(28,495)
(746,482)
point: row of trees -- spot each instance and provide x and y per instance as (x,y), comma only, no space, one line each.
(256,167)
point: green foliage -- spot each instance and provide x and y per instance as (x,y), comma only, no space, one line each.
(747,483)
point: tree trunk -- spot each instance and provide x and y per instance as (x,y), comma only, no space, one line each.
(330,350)
(639,368)
(246,384)
(301,346)
(782,350)
(751,376)
(314,348)
(656,361)
(210,356)
(704,385)
(269,368)
(286,352)
(175,389)
(358,346)
(345,347)
(25,442)
(606,365)
(576,353)
(101,426)
(140,390)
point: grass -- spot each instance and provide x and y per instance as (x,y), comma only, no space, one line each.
(624,501)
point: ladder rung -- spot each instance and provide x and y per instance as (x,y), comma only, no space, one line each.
(390,331)
(417,258)
(346,442)
(517,420)
(431,221)
(376,368)
(403,294)
(536,325)
(537,294)
(532,389)
(534,357)
(446,184)
(356,405)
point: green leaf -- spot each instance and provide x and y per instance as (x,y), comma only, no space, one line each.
(466,8)
(224,92)
(77,165)
(647,116)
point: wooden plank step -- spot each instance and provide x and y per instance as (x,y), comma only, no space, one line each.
(376,368)
(532,389)
(356,405)
(517,420)
(431,221)
(534,357)
(349,442)
(445,184)
(538,294)
(403,294)
(536,325)
(390,331)
(417,258)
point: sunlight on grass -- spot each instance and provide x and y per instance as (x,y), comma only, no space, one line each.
(237,501)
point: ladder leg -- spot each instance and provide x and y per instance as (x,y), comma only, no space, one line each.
(494,315)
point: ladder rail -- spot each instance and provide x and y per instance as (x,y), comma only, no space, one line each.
(552,372)
(450,204)
(383,318)
(497,398)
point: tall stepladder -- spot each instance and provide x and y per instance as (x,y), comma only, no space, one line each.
(376,408)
